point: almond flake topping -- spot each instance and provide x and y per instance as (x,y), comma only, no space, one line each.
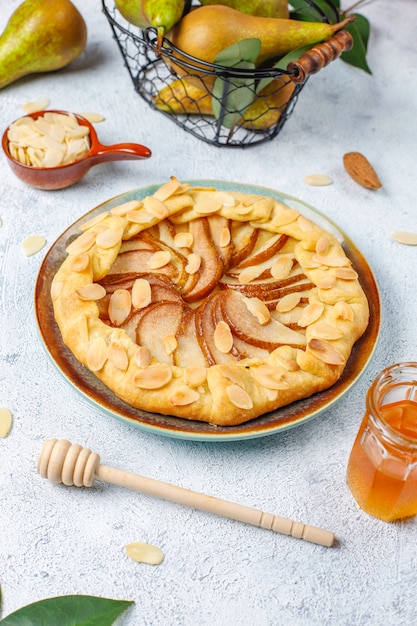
(208,205)
(117,356)
(153,377)
(258,309)
(225,237)
(239,397)
(195,375)
(170,344)
(231,373)
(141,293)
(183,240)
(286,216)
(94,221)
(83,243)
(325,352)
(225,198)
(126,207)
(92,291)
(56,289)
(326,282)
(96,354)
(120,304)
(304,223)
(281,267)
(159,259)
(343,311)
(139,216)
(80,262)
(270,377)
(248,274)
(6,421)
(324,330)
(143,357)
(155,207)
(184,395)
(288,302)
(331,261)
(311,314)
(322,245)
(345,273)
(144,553)
(109,237)
(83,329)
(167,190)
(193,263)
(223,338)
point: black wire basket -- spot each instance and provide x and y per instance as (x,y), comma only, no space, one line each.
(181,87)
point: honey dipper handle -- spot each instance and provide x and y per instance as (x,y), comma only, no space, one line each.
(215,505)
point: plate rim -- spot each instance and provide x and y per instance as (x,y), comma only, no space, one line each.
(247,430)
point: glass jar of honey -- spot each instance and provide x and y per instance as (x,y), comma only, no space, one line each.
(382,468)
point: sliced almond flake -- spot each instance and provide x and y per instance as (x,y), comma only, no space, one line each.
(96,354)
(239,397)
(93,118)
(183,396)
(33,244)
(243,209)
(153,377)
(326,282)
(53,157)
(206,205)
(183,240)
(80,262)
(281,267)
(318,180)
(223,338)
(167,190)
(109,237)
(285,216)
(258,309)
(143,357)
(6,421)
(322,245)
(141,293)
(325,352)
(92,291)
(225,237)
(139,216)
(311,314)
(126,207)
(144,553)
(250,200)
(56,289)
(159,259)
(170,344)
(117,356)
(231,373)
(331,261)
(195,375)
(324,330)
(271,394)
(404,237)
(155,207)
(225,198)
(78,132)
(94,220)
(193,263)
(270,377)
(288,302)
(345,273)
(250,273)
(36,105)
(83,243)
(120,305)
(83,329)
(343,311)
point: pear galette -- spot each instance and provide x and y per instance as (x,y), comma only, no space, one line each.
(209,305)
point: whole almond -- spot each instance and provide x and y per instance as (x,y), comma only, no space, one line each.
(362,172)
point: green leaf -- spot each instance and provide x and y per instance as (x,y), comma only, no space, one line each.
(306,12)
(71,610)
(360,30)
(233,95)
(282,64)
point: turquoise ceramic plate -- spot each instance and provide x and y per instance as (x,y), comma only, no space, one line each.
(287,417)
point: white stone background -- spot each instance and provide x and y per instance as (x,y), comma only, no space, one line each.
(56,540)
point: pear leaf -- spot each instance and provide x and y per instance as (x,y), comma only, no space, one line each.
(231,97)
(71,610)
(360,30)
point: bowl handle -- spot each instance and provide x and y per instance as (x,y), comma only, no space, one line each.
(119,152)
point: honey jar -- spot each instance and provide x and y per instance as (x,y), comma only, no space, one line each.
(382,468)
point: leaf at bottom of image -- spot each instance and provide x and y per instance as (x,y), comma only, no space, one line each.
(71,610)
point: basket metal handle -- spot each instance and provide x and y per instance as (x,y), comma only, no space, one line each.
(319,56)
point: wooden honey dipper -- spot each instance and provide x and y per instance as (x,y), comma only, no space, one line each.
(60,461)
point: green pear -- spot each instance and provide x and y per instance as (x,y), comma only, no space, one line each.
(260,8)
(159,14)
(40,36)
(207,30)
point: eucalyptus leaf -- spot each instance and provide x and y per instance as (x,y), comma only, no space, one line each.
(71,610)
(231,96)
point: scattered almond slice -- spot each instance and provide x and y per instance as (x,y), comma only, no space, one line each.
(239,397)
(402,236)
(318,180)
(6,421)
(33,244)
(183,396)
(91,291)
(36,105)
(93,118)
(153,377)
(1,222)
(144,553)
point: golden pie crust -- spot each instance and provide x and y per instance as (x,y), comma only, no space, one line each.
(209,305)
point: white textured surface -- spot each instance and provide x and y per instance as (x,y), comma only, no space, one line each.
(56,540)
